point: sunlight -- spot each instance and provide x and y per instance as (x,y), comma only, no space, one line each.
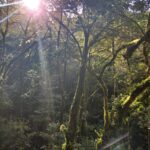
(32,4)
(45,79)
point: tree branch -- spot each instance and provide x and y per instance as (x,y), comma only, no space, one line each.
(68,30)
(136,92)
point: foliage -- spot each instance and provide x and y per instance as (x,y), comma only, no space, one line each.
(13,135)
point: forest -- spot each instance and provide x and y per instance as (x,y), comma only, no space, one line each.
(74,75)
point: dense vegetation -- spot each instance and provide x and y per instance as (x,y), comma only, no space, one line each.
(75,75)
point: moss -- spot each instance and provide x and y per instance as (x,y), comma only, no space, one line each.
(63,128)
(64,146)
(99,140)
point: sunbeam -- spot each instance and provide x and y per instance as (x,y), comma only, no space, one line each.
(46,80)
(10,4)
(8,17)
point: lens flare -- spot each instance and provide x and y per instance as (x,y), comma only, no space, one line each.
(32,4)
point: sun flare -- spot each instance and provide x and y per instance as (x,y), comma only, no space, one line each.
(32,4)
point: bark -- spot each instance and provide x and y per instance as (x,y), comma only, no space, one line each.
(75,107)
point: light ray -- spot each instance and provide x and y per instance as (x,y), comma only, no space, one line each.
(10,4)
(46,79)
(8,17)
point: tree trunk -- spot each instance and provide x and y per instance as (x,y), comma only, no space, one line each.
(146,49)
(149,137)
(75,107)
(61,88)
(105,104)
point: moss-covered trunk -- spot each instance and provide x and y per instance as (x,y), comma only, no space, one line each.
(146,49)
(75,107)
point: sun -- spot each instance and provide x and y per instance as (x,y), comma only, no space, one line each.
(32,4)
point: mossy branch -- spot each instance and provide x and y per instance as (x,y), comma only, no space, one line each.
(136,92)
(131,49)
